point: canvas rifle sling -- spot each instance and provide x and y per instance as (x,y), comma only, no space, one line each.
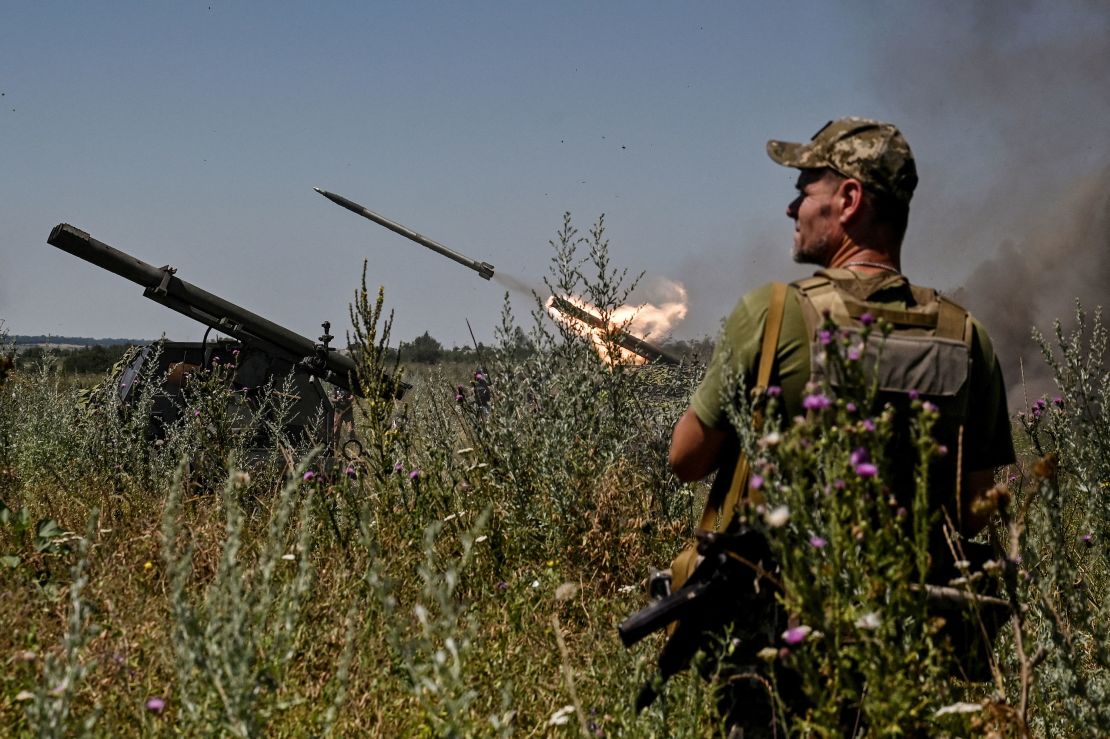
(718,514)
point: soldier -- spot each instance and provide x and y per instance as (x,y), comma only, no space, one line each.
(855,183)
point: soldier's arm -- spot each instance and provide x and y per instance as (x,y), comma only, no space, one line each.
(695,447)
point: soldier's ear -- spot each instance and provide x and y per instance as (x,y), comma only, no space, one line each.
(850,195)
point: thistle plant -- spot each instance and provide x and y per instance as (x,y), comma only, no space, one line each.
(1060,529)
(852,554)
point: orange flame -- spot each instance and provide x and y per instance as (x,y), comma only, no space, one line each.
(644,320)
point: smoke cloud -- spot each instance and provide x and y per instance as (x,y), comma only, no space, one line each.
(1017,95)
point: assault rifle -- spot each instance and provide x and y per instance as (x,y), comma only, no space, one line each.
(729,575)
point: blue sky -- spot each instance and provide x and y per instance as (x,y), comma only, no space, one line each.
(192,133)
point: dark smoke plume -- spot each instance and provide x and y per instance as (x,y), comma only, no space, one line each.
(1016,95)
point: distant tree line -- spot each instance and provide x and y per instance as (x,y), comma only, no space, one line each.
(426,349)
(24,340)
(95,359)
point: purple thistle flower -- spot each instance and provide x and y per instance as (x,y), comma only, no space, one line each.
(838,484)
(859,456)
(309,475)
(398,467)
(850,407)
(929,407)
(817,542)
(942,450)
(824,336)
(914,395)
(853,354)
(755,482)
(196,414)
(154,704)
(869,425)
(867,470)
(773,391)
(816,402)
(1058,401)
(414,474)
(867,319)
(1088,539)
(350,471)
(796,635)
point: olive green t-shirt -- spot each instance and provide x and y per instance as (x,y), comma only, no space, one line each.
(986,441)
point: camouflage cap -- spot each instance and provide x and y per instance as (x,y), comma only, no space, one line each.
(873,152)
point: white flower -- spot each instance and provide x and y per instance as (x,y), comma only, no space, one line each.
(535,583)
(480,539)
(959,708)
(778,517)
(771,439)
(869,621)
(561,717)
(566,591)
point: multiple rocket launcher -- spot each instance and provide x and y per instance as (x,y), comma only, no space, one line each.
(623,339)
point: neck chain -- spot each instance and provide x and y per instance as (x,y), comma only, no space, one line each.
(874,265)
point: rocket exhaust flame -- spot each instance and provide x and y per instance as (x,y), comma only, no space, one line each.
(630,348)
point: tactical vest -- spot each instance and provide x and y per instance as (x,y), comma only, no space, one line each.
(927,354)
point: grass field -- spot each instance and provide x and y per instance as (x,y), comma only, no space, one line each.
(465,575)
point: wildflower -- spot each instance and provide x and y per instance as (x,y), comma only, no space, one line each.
(867,470)
(869,621)
(196,414)
(148,566)
(755,482)
(825,337)
(480,539)
(1088,539)
(838,484)
(309,476)
(816,402)
(1058,401)
(240,479)
(154,704)
(774,391)
(942,450)
(914,395)
(350,471)
(928,407)
(535,583)
(767,654)
(778,517)
(867,319)
(859,456)
(850,407)
(566,591)
(26,656)
(24,695)
(398,467)
(854,353)
(796,635)
(290,557)
(817,542)
(771,439)
(561,717)
(868,425)
(502,585)
(414,474)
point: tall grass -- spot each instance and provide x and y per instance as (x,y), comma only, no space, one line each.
(463,575)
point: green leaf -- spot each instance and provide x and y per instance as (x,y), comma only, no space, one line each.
(10,561)
(46,531)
